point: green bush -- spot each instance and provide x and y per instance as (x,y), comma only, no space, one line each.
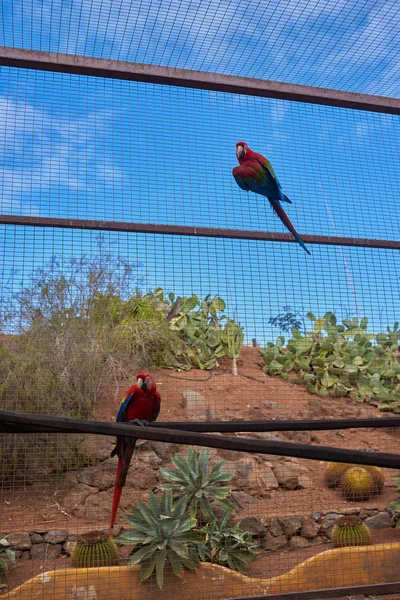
(342,360)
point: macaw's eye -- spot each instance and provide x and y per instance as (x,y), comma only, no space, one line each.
(148,383)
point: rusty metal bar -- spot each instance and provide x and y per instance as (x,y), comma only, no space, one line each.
(213,232)
(239,444)
(116,69)
(379,589)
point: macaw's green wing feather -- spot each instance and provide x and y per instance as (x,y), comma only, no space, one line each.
(268,168)
(253,176)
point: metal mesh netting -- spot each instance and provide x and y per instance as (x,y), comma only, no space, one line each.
(343,44)
(84,308)
(92,148)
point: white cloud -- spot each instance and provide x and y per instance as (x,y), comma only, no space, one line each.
(42,152)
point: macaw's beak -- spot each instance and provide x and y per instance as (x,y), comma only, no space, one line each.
(239,151)
(140,384)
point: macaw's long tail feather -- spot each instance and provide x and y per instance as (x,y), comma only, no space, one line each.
(125,462)
(114,452)
(286,221)
(120,479)
(116,499)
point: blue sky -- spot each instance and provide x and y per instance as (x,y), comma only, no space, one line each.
(100,149)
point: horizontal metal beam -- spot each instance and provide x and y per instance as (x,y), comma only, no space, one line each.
(186,230)
(192,438)
(380,589)
(117,69)
(249,426)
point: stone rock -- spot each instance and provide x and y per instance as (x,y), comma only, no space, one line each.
(271,542)
(380,521)
(164,450)
(297,543)
(26,555)
(328,523)
(309,528)
(300,437)
(244,500)
(101,476)
(254,478)
(197,406)
(75,499)
(37,538)
(269,436)
(45,551)
(96,506)
(141,477)
(291,525)
(276,528)
(292,475)
(20,540)
(316,516)
(56,536)
(98,447)
(254,526)
(69,546)
(270,405)
(149,457)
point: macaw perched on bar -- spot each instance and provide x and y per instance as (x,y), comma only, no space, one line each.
(140,405)
(256,174)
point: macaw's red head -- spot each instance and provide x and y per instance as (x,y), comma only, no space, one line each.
(241,150)
(145,382)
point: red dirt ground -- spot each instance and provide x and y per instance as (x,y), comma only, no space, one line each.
(247,396)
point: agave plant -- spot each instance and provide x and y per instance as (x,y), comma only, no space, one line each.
(192,482)
(5,548)
(227,545)
(162,533)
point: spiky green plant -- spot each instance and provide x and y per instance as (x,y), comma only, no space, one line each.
(350,531)
(162,533)
(94,549)
(395,505)
(379,479)
(192,481)
(357,484)
(334,472)
(6,549)
(227,545)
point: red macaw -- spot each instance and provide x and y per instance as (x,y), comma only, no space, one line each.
(256,174)
(140,405)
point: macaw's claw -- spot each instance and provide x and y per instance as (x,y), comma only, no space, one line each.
(141,422)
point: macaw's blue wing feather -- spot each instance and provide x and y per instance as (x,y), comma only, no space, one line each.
(124,405)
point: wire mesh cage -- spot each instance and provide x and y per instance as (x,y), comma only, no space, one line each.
(131,257)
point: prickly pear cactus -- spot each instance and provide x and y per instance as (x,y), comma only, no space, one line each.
(350,531)
(94,549)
